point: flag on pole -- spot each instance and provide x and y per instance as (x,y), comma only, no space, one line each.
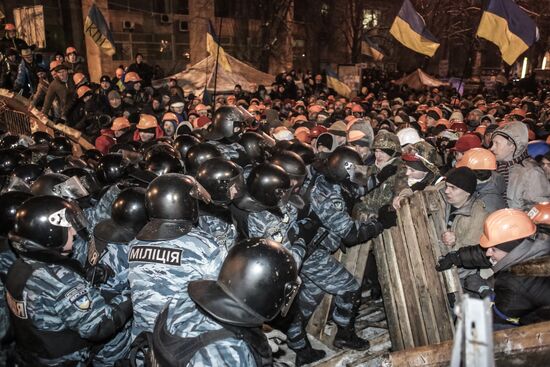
(509,27)
(96,27)
(213,45)
(339,87)
(410,29)
(369,48)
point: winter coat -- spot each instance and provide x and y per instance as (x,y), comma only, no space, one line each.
(492,193)
(527,298)
(60,91)
(527,185)
(27,78)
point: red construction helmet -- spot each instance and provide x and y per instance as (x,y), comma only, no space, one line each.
(9,27)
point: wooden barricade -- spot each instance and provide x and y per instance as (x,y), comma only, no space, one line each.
(414,293)
(19,116)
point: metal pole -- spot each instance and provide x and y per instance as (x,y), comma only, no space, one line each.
(216,67)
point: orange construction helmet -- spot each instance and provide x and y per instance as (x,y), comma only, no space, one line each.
(78,78)
(506,225)
(169,116)
(540,213)
(478,159)
(54,64)
(315,108)
(518,112)
(357,108)
(132,76)
(146,122)
(444,122)
(82,91)
(300,118)
(120,123)
(9,27)
(70,50)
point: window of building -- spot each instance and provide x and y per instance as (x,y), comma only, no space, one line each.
(181,7)
(371,18)
(324,9)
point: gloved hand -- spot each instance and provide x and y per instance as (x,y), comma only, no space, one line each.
(275,338)
(386,173)
(387,217)
(446,262)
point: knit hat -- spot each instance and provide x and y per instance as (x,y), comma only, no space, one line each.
(463,178)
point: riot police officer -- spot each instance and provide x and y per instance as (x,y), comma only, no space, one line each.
(58,317)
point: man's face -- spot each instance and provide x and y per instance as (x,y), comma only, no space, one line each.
(495,254)
(237,90)
(105,85)
(11,34)
(381,157)
(502,148)
(28,58)
(169,128)
(139,59)
(71,57)
(455,195)
(63,75)
(145,136)
(415,174)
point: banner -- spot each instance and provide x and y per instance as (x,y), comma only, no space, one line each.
(96,27)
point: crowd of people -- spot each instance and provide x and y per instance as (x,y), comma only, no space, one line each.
(202,234)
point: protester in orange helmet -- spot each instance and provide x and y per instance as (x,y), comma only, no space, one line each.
(490,184)
(507,243)
(147,129)
(74,62)
(10,40)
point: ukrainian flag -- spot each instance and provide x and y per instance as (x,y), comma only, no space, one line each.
(213,45)
(96,27)
(410,29)
(339,87)
(509,27)
(370,49)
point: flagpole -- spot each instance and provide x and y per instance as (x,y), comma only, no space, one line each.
(468,57)
(216,67)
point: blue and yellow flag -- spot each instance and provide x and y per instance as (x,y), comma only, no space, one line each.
(509,27)
(369,48)
(410,29)
(339,87)
(213,45)
(96,27)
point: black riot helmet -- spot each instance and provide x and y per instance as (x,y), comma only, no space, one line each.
(9,160)
(42,224)
(160,147)
(199,154)
(161,162)
(9,142)
(92,154)
(45,184)
(257,281)
(305,151)
(57,165)
(229,123)
(183,142)
(9,203)
(41,137)
(60,147)
(172,207)
(28,172)
(269,185)
(111,168)
(292,164)
(222,179)
(339,163)
(255,146)
(128,216)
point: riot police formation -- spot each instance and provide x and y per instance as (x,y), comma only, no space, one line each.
(189,233)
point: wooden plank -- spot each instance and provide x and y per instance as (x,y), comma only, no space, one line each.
(389,300)
(409,278)
(397,290)
(437,294)
(522,346)
(421,275)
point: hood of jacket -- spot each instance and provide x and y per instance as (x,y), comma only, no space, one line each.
(527,250)
(517,133)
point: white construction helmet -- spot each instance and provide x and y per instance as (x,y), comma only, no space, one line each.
(408,136)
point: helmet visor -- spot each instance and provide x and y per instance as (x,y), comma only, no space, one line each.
(291,290)
(73,189)
(199,192)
